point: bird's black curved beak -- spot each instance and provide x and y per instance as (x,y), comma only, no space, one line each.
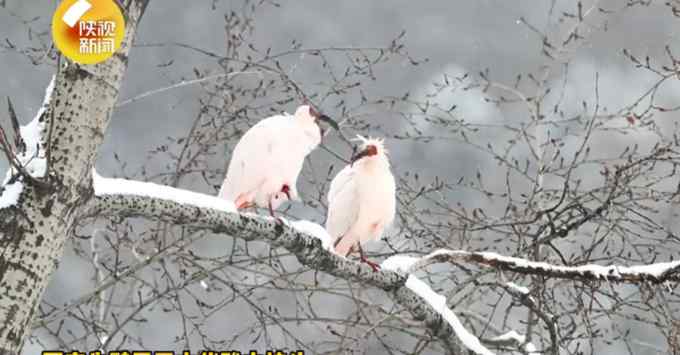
(359,155)
(330,121)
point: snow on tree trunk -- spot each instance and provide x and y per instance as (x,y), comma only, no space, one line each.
(35,227)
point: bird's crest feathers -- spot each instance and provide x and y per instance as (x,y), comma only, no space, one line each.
(379,143)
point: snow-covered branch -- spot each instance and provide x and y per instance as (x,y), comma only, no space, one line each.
(523,294)
(309,243)
(513,339)
(654,273)
(436,301)
(130,198)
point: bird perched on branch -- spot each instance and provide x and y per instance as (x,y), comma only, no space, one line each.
(361,200)
(267,160)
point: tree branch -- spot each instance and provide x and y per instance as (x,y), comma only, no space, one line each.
(127,198)
(18,140)
(654,273)
(308,249)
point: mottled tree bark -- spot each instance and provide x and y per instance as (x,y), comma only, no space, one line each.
(307,249)
(77,111)
(34,230)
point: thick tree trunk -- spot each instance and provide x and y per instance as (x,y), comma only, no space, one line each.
(34,230)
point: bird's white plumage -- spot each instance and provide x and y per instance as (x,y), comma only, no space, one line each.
(361,200)
(269,155)
(343,203)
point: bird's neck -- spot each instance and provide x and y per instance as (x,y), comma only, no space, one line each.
(376,164)
(307,135)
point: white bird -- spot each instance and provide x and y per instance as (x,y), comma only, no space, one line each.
(267,160)
(361,200)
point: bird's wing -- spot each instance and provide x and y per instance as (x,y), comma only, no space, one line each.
(255,156)
(390,204)
(343,203)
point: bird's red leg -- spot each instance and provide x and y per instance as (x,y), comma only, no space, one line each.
(242,202)
(286,190)
(271,212)
(373,265)
(244,206)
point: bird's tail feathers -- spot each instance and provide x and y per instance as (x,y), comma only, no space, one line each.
(224,191)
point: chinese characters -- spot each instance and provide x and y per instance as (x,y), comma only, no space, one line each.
(96,37)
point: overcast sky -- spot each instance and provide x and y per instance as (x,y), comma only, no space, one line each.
(456,36)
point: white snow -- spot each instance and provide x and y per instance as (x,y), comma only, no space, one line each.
(438,302)
(598,271)
(511,335)
(655,270)
(402,264)
(32,132)
(10,194)
(406,264)
(530,348)
(521,289)
(112,186)
(33,159)
(520,339)
(109,186)
(669,286)
(315,230)
(438,252)
(399,263)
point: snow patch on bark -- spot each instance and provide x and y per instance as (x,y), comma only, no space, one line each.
(315,230)
(402,264)
(438,303)
(33,160)
(111,186)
